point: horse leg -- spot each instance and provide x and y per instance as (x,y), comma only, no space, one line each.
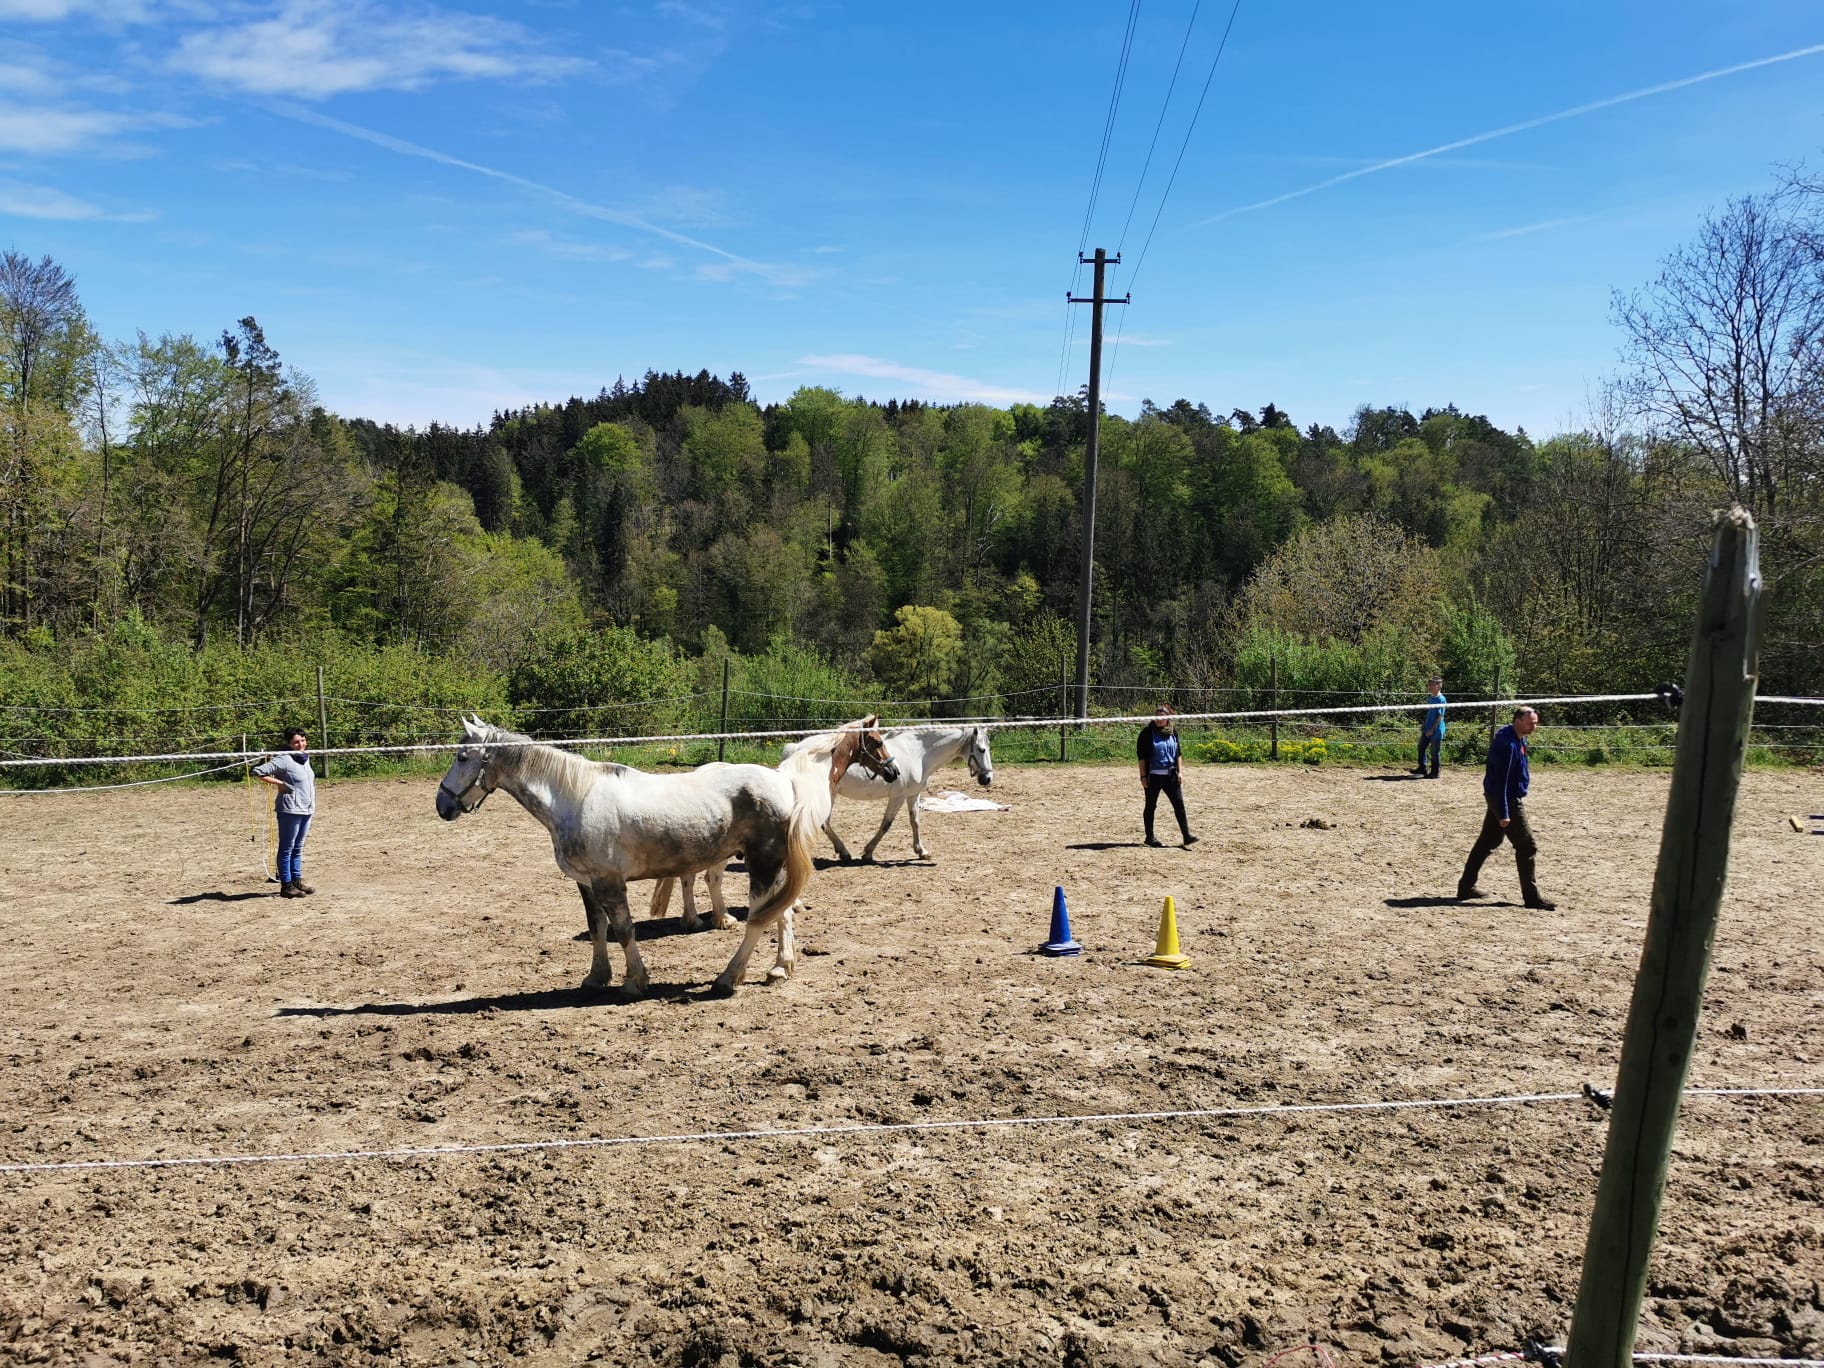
(787,959)
(689,884)
(918,836)
(601,973)
(893,805)
(611,893)
(760,881)
(718,916)
(842,851)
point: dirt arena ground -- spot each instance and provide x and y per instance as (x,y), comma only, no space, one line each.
(156,1001)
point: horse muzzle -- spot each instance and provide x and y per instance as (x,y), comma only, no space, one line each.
(450,805)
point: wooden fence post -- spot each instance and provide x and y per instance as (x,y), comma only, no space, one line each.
(721,741)
(1273,667)
(1063,711)
(1494,706)
(1656,1047)
(322,725)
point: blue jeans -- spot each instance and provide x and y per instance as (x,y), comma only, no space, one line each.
(1434,744)
(292,826)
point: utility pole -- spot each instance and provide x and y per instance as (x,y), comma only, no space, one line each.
(1087,583)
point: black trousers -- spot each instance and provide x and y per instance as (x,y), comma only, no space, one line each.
(1167,784)
(1493,833)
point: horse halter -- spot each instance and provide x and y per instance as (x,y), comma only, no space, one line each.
(443,786)
(975,760)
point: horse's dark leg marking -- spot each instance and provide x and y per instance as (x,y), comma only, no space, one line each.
(765,868)
(611,893)
(601,972)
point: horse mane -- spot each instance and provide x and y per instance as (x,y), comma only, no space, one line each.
(812,751)
(535,761)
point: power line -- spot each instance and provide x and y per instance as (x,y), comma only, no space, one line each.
(1172,180)
(1095,187)
(1108,126)
(1165,105)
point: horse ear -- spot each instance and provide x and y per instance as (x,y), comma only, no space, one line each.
(871,721)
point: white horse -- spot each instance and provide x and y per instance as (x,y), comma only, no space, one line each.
(919,753)
(610,824)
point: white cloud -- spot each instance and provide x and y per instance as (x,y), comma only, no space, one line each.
(37,129)
(21,79)
(1524,229)
(21,200)
(570,249)
(314,50)
(932,385)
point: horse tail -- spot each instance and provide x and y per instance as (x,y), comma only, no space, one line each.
(810,806)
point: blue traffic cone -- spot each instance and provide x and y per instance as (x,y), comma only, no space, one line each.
(1060,942)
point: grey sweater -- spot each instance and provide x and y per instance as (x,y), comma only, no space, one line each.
(301,798)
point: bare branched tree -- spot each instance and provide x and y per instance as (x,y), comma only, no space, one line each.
(1726,345)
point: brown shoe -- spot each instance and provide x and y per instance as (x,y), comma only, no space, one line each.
(289,890)
(304,889)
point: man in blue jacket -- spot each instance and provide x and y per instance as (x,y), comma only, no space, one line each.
(1504,785)
(1431,730)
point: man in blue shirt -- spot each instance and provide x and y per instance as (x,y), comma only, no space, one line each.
(1431,730)
(1162,769)
(1504,785)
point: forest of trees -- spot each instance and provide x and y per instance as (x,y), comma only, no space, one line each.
(197,494)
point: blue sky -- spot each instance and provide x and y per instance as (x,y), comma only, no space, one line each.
(436,210)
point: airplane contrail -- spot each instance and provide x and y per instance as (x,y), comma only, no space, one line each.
(1491,135)
(569,201)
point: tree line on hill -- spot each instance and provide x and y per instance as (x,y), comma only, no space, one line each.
(200,492)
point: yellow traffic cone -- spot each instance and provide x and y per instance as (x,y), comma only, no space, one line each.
(1167,955)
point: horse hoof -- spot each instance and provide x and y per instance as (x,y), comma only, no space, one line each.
(594,984)
(778,974)
(721,988)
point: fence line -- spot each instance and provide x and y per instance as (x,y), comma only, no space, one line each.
(999,724)
(173,707)
(852,1128)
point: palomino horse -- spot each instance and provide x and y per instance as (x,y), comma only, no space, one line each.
(919,753)
(610,824)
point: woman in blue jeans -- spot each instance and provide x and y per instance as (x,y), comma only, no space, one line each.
(289,772)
